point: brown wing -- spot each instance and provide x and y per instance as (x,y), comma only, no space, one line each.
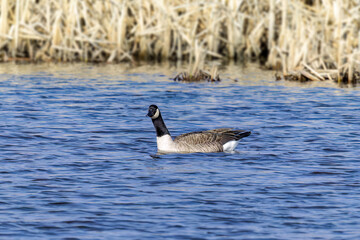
(195,138)
(220,136)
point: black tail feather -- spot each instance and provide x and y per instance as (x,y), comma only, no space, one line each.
(242,134)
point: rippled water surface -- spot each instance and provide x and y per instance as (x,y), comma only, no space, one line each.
(78,156)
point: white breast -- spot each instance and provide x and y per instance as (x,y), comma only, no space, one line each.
(165,143)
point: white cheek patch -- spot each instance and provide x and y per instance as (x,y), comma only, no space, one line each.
(156,115)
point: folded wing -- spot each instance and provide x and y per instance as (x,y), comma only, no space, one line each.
(212,139)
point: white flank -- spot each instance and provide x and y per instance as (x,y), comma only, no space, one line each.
(165,143)
(230,146)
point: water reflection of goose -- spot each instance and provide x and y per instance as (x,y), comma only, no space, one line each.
(216,140)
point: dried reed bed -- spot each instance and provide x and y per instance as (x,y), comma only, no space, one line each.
(197,75)
(315,39)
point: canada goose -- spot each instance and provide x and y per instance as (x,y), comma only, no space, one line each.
(216,140)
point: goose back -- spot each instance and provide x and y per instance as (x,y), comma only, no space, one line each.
(208,141)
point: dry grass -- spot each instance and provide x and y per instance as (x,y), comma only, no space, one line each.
(199,75)
(316,38)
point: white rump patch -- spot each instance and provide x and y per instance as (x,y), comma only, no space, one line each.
(156,115)
(230,146)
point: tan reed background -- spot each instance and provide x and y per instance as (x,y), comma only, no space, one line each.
(316,37)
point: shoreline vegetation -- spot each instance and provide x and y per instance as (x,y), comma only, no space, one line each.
(313,40)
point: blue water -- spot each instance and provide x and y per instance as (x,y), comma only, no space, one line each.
(78,156)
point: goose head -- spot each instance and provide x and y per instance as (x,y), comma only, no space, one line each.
(153,112)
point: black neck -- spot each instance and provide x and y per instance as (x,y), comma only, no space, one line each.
(160,126)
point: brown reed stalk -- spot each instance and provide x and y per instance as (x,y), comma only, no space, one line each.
(287,33)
